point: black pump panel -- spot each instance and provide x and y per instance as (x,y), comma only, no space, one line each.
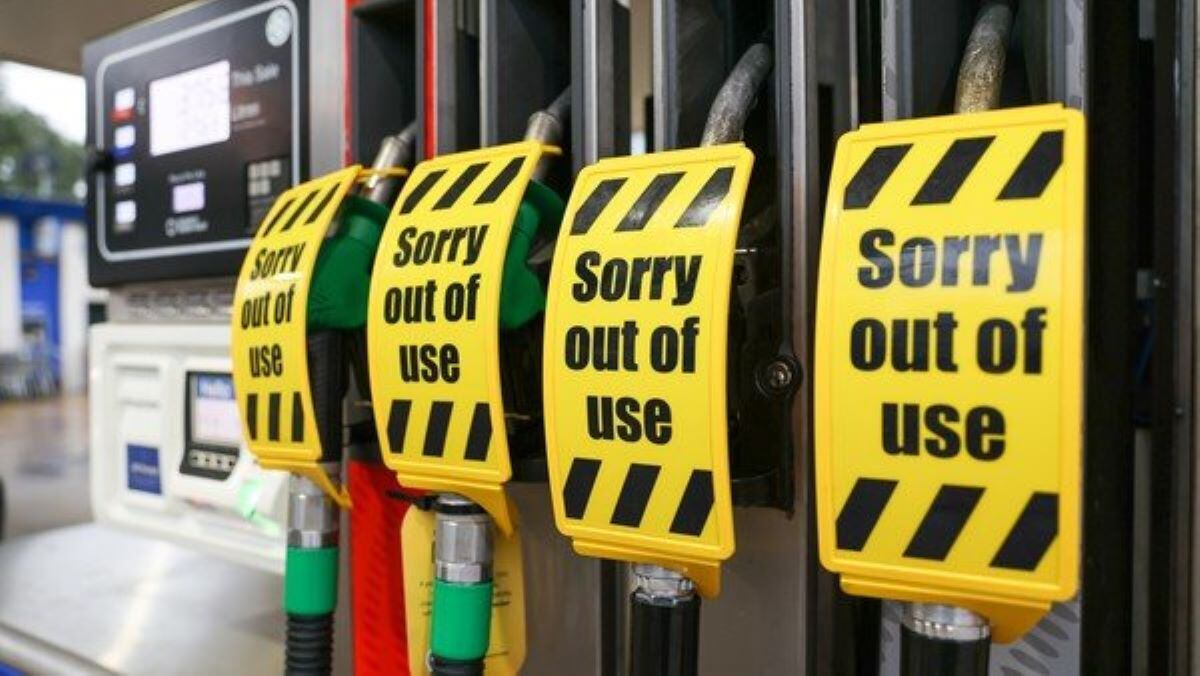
(195,126)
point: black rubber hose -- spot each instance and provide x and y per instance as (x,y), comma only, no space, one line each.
(309,645)
(664,637)
(440,666)
(732,104)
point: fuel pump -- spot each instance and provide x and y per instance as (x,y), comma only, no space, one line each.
(293,334)
(937,638)
(460,263)
(665,627)
(635,370)
(940,482)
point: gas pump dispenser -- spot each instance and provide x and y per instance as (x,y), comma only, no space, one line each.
(455,269)
(636,370)
(300,299)
(948,468)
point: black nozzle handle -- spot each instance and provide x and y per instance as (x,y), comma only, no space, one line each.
(665,636)
(327,377)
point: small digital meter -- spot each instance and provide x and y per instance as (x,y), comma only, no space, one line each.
(213,431)
(195,123)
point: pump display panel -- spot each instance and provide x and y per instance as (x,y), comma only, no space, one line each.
(195,124)
(213,433)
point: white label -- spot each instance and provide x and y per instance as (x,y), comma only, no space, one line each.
(125,174)
(123,99)
(190,109)
(187,197)
(126,214)
(124,136)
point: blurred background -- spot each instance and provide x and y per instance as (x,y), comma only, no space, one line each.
(45,302)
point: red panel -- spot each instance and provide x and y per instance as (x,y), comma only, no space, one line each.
(377,583)
(430,66)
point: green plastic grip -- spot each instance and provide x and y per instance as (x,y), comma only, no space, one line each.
(310,581)
(342,278)
(462,620)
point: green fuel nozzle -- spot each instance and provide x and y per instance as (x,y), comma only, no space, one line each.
(337,308)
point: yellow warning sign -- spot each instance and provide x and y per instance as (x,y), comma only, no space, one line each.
(634,373)
(433,323)
(506,647)
(270,314)
(949,347)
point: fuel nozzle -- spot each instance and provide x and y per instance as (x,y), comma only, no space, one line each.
(395,152)
(341,282)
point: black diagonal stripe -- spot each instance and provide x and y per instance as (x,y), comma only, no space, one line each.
(291,220)
(952,170)
(273,400)
(591,208)
(312,218)
(648,202)
(252,415)
(707,200)
(951,508)
(422,188)
(871,176)
(696,504)
(435,432)
(397,424)
(278,215)
(479,436)
(635,495)
(459,186)
(861,512)
(297,418)
(581,478)
(1039,165)
(1031,536)
(496,188)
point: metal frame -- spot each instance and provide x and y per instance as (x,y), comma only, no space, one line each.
(1173,464)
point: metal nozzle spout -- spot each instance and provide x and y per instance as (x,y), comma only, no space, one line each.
(398,150)
(548,126)
(727,116)
(982,71)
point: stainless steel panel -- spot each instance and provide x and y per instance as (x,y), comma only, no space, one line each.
(326,90)
(562,591)
(93,595)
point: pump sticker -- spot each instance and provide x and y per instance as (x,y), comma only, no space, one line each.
(433,323)
(635,354)
(948,385)
(269,343)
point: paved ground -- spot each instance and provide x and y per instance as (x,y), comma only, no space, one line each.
(43,463)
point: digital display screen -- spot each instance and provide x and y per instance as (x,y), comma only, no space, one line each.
(190,109)
(215,418)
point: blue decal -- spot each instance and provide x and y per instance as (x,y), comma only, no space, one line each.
(142,467)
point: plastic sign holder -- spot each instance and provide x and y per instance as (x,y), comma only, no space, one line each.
(949,353)
(433,324)
(270,327)
(635,373)
(270,331)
